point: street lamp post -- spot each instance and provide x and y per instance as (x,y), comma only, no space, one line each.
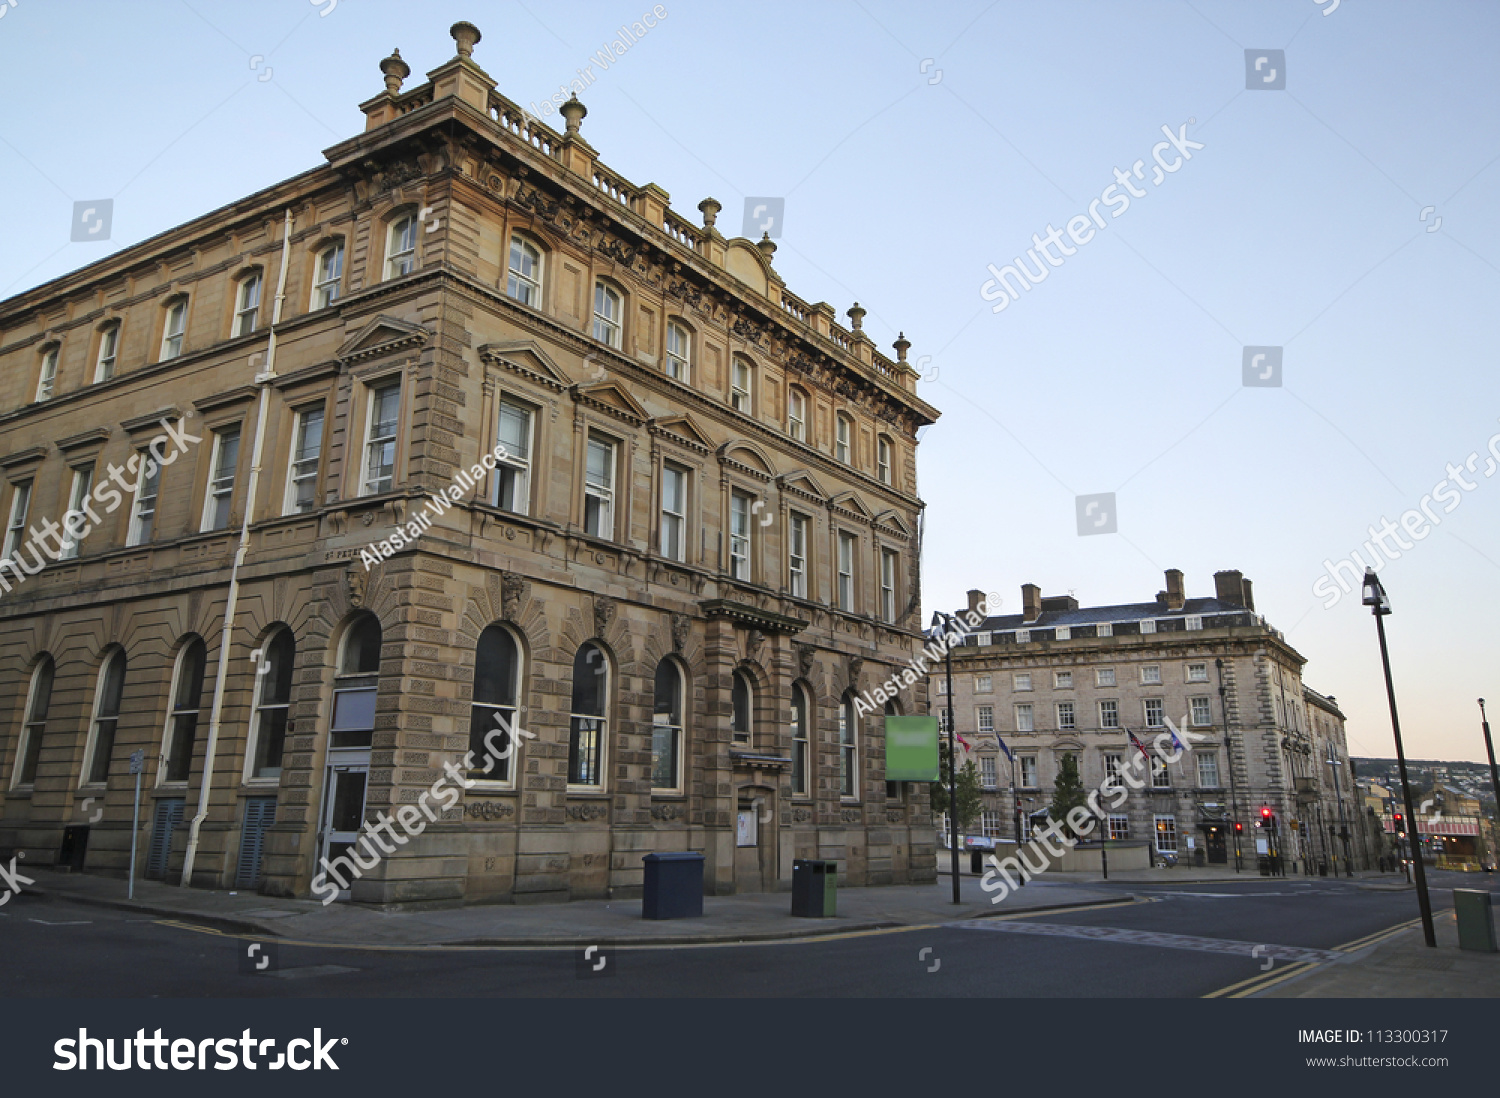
(945,622)
(1380,606)
(1489,746)
(1234,797)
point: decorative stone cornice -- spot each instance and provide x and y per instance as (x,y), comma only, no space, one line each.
(95,437)
(751,616)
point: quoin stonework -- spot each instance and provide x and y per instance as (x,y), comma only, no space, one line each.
(697,550)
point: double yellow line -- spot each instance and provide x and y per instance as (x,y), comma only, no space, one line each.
(1256,984)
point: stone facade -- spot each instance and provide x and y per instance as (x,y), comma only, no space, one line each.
(1060,679)
(675,492)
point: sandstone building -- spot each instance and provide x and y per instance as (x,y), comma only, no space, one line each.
(697,546)
(1059,679)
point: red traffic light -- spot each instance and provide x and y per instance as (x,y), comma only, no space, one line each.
(1265,813)
(1239,827)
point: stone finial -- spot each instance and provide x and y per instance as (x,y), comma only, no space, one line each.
(902,345)
(466,35)
(710,208)
(856,317)
(396,70)
(767,246)
(574,111)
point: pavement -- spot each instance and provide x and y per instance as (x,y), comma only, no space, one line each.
(1403,967)
(726,919)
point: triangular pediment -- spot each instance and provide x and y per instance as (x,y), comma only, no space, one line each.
(803,482)
(526,356)
(848,501)
(683,428)
(383,335)
(891,520)
(607,396)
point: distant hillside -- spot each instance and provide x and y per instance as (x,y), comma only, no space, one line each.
(1468,777)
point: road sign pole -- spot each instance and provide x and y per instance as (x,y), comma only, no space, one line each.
(137,764)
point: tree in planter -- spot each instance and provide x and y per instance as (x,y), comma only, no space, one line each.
(970,797)
(1067,792)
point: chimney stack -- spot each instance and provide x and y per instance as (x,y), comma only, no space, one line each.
(1031,602)
(1232,587)
(1175,597)
(976,597)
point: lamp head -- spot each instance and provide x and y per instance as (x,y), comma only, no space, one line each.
(1374,594)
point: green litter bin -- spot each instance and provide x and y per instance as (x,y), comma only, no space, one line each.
(1476,927)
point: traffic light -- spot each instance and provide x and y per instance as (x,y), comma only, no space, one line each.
(1400,827)
(1239,827)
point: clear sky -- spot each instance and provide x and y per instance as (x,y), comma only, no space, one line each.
(915,144)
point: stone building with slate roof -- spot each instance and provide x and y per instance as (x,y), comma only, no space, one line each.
(1059,678)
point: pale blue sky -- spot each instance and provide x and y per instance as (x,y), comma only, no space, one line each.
(1297,225)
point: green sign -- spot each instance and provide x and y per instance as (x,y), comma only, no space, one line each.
(911,749)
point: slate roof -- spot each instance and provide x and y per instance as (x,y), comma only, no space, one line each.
(1092,615)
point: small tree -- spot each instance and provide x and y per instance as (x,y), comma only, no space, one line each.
(1067,792)
(970,795)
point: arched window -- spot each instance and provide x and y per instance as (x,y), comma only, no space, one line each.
(37,702)
(327,275)
(679,352)
(273,702)
(741,385)
(848,747)
(524,282)
(608,313)
(893,790)
(182,719)
(497,680)
(800,726)
(588,720)
(246,304)
(796,414)
(101,743)
(883,460)
(354,686)
(842,439)
(401,247)
(666,727)
(742,696)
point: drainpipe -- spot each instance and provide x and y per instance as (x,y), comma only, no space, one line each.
(264,380)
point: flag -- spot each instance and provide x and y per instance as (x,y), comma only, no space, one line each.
(1172,728)
(1138,745)
(1001,742)
(960,738)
